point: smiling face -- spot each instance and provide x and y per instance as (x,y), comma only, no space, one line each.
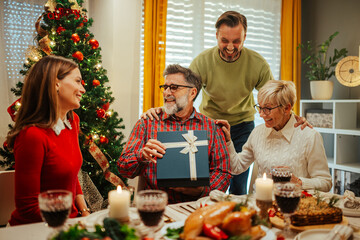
(70,91)
(278,117)
(178,102)
(230,41)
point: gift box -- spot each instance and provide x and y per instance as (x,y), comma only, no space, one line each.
(320,117)
(186,161)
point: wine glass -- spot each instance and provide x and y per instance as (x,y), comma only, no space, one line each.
(55,206)
(281,174)
(287,196)
(151,206)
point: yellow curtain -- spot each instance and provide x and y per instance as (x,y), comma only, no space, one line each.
(154,51)
(290,39)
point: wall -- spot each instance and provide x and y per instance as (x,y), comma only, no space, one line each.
(320,19)
(117,27)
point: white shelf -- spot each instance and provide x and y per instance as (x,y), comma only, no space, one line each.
(342,141)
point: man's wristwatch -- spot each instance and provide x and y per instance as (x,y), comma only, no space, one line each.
(84,210)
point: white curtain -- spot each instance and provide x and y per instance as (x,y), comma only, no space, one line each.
(17,27)
(191,29)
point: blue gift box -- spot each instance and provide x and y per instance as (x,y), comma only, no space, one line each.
(186,161)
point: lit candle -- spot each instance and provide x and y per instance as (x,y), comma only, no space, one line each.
(119,201)
(264,188)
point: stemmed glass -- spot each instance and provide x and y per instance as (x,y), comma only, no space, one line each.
(151,206)
(55,206)
(287,196)
(281,174)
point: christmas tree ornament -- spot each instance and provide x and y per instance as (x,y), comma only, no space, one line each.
(75,5)
(100,113)
(87,35)
(78,55)
(96,82)
(104,139)
(44,44)
(75,37)
(60,29)
(50,6)
(81,25)
(5,144)
(83,82)
(94,43)
(106,106)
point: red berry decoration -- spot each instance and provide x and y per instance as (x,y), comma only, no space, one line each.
(60,29)
(94,43)
(100,113)
(106,106)
(81,24)
(5,145)
(83,82)
(87,35)
(75,37)
(96,82)
(78,55)
(104,139)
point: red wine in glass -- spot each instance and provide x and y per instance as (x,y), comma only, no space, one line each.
(287,204)
(151,216)
(281,174)
(55,206)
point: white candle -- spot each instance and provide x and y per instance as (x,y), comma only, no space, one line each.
(264,188)
(119,201)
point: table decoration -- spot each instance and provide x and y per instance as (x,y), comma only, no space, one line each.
(119,201)
(263,195)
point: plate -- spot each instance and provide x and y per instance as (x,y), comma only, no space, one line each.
(351,212)
(312,234)
(279,223)
(204,201)
(270,235)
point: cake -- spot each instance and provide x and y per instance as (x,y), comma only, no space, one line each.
(314,211)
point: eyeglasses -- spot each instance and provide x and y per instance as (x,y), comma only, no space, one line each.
(173,87)
(266,110)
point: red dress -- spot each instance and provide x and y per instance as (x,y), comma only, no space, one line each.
(45,161)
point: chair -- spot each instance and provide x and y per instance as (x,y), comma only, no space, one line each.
(7,195)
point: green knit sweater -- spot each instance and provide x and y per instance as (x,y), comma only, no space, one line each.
(227,87)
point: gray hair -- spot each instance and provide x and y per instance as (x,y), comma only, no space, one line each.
(192,78)
(278,92)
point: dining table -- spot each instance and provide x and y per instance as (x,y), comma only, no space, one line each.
(174,213)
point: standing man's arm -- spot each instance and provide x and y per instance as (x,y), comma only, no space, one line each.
(220,174)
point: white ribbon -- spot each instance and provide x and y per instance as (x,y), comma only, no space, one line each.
(189,147)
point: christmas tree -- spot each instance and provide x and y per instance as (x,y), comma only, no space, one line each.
(63,30)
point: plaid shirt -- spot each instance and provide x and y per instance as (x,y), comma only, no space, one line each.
(130,164)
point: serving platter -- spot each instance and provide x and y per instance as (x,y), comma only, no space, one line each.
(279,223)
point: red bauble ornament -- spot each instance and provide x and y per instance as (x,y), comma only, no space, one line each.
(100,113)
(81,24)
(60,29)
(78,55)
(83,82)
(104,139)
(75,37)
(106,106)
(94,43)
(87,35)
(5,145)
(96,82)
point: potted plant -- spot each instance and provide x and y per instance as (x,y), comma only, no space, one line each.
(321,67)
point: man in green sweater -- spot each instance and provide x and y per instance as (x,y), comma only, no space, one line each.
(229,73)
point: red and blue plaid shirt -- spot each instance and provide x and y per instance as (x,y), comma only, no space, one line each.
(131,165)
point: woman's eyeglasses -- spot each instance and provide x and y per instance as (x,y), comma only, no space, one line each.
(173,87)
(265,110)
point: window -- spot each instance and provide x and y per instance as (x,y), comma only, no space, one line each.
(17,26)
(190,29)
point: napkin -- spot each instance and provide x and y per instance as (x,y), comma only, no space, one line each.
(339,232)
(350,200)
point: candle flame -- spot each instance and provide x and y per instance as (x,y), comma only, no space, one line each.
(119,190)
(264,176)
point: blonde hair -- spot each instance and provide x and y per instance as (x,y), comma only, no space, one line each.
(278,92)
(39,101)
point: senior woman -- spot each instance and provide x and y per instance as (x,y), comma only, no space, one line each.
(278,143)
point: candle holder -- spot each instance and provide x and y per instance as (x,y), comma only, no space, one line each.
(264,207)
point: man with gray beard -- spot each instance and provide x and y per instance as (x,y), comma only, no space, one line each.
(143,149)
